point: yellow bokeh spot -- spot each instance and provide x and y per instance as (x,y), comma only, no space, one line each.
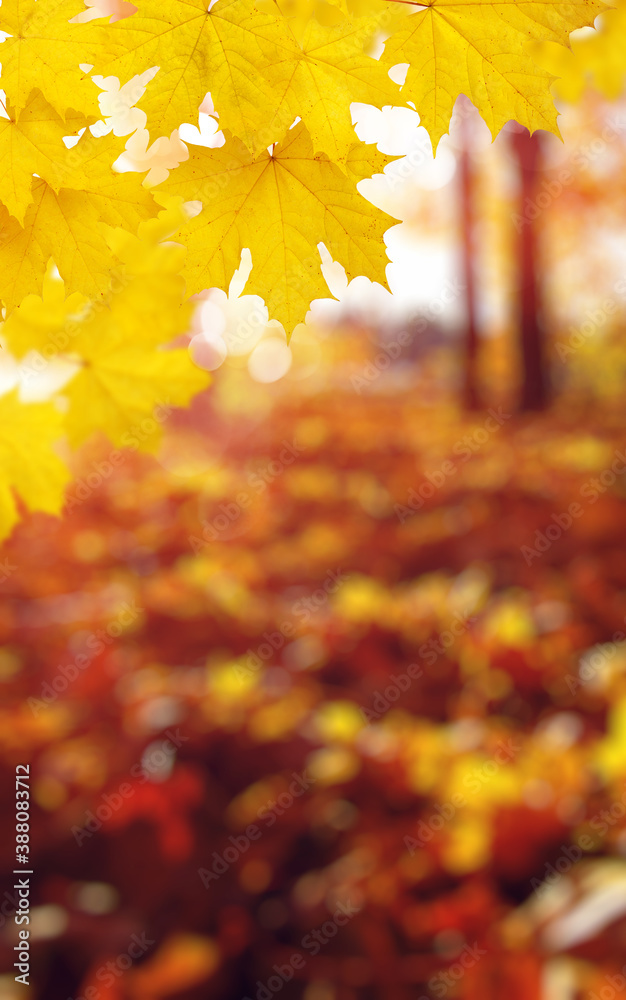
(332,765)
(183,961)
(10,664)
(245,807)
(338,721)
(610,752)
(49,793)
(89,546)
(312,482)
(510,623)
(361,599)
(467,847)
(429,755)
(276,721)
(230,681)
(311,432)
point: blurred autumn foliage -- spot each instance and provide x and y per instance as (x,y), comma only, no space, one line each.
(326,698)
(361,624)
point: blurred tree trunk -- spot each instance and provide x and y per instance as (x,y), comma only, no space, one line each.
(527,152)
(470,389)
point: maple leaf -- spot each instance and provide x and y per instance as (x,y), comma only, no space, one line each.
(279,206)
(148,306)
(64,223)
(28,463)
(228,49)
(122,383)
(317,81)
(39,319)
(118,197)
(31,141)
(122,376)
(482,50)
(599,58)
(299,12)
(45,52)
(145,300)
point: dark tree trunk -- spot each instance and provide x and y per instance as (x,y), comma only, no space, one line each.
(534,392)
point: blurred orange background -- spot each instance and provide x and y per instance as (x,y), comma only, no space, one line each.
(328,698)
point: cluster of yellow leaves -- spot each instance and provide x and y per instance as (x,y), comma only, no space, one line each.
(282,75)
(599,57)
(265,65)
(125,378)
(484,50)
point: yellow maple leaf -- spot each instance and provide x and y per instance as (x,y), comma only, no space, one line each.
(28,463)
(299,12)
(31,142)
(64,223)
(149,287)
(382,15)
(39,321)
(118,198)
(317,79)
(279,206)
(144,300)
(228,49)
(145,254)
(122,378)
(126,390)
(483,50)
(599,58)
(45,52)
